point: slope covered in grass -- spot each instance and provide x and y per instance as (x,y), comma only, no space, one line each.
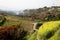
(56,35)
(8,22)
(33,36)
(49,31)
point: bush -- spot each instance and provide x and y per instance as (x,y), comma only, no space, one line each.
(13,32)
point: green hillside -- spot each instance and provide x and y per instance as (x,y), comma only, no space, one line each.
(48,31)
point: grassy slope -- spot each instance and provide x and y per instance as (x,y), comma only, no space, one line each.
(56,36)
(15,20)
(10,20)
(49,31)
(33,36)
(8,23)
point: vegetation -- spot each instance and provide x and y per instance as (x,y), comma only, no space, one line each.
(13,28)
(48,31)
(33,36)
(42,14)
(19,27)
(14,32)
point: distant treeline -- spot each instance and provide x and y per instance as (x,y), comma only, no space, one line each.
(45,13)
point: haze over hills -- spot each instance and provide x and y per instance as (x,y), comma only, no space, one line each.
(8,12)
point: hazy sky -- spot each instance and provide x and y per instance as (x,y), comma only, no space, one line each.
(26,4)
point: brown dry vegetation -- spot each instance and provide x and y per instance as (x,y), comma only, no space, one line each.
(26,24)
(8,32)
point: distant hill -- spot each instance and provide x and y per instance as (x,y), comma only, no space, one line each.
(45,13)
(7,12)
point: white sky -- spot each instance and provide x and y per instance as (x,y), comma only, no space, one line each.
(26,4)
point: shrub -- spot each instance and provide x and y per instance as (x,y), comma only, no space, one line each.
(12,33)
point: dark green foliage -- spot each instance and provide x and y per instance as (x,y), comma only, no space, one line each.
(2,21)
(50,34)
(21,35)
(38,25)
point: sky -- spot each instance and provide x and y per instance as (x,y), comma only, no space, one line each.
(26,4)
